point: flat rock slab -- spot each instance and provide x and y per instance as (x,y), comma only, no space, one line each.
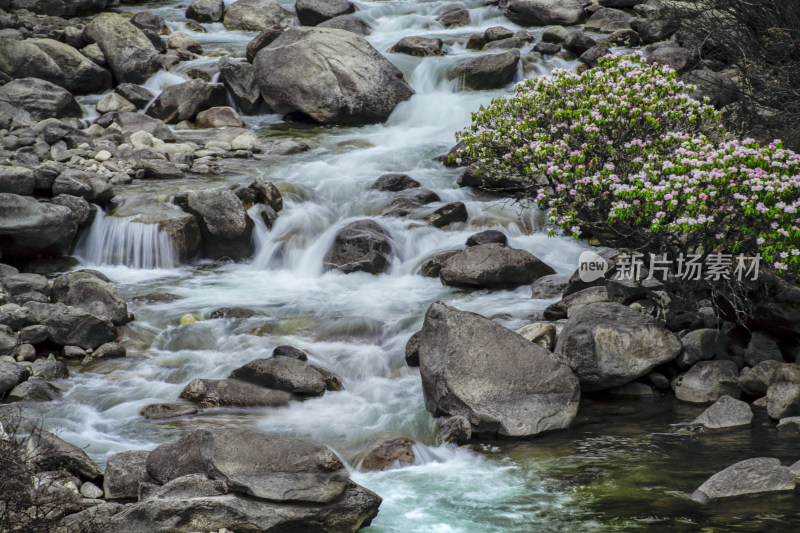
(746,478)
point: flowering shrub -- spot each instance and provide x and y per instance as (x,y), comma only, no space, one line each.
(623,153)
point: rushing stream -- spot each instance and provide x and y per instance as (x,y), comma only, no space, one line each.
(623,466)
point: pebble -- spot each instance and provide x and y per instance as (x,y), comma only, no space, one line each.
(102,156)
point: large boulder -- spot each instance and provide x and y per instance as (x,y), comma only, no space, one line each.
(185,100)
(707,381)
(385,451)
(226,228)
(783,393)
(191,511)
(232,393)
(29,228)
(750,477)
(49,452)
(69,326)
(608,344)
(331,76)
(81,75)
(129,53)
(702,345)
(40,98)
(502,383)
(256,15)
(545,12)
(239,77)
(11,375)
(124,472)
(361,246)
(724,413)
(252,463)
(313,12)
(755,381)
(17,180)
(206,10)
(86,291)
(23,59)
(87,185)
(282,373)
(492,266)
(487,71)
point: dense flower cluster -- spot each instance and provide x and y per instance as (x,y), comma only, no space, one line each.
(624,150)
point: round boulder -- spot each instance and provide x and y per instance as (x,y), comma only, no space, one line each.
(331,76)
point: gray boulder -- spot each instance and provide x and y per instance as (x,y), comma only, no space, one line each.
(313,12)
(361,246)
(23,59)
(453,429)
(262,40)
(355,508)
(87,185)
(124,472)
(239,77)
(23,287)
(40,98)
(762,348)
(232,393)
(571,303)
(608,345)
(492,266)
(609,20)
(299,72)
(256,15)
(69,326)
(668,53)
(206,10)
(394,182)
(489,236)
(11,375)
(49,452)
(419,46)
(502,383)
(84,211)
(226,228)
(707,381)
(29,228)
(163,411)
(129,53)
(252,463)
(83,290)
(702,345)
(185,100)
(449,214)
(135,94)
(49,369)
(81,75)
(724,413)
(282,373)
(17,180)
(487,71)
(351,23)
(545,12)
(385,451)
(34,390)
(750,477)
(551,286)
(755,381)
(783,393)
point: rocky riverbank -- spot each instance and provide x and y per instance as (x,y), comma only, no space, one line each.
(250,323)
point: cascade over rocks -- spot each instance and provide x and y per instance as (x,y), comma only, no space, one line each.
(499,381)
(608,344)
(331,76)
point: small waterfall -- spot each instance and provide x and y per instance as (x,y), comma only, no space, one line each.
(123,241)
